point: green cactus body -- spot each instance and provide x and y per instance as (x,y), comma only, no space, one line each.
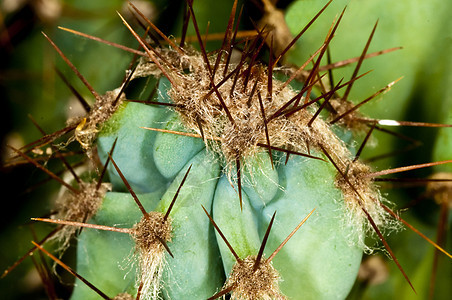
(245,155)
(255,153)
(292,189)
(103,257)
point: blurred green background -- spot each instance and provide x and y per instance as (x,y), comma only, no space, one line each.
(29,85)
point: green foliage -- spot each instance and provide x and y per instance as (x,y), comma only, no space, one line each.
(196,270)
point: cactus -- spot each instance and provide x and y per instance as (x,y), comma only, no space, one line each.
(218,164)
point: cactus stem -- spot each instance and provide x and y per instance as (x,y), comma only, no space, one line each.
(146,216)
(154,230)
(149,234)
(214,98)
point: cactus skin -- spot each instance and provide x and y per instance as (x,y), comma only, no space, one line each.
(328,272)
(140,171)
(104,254)
(290,189)
(160,180)
(293,184)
